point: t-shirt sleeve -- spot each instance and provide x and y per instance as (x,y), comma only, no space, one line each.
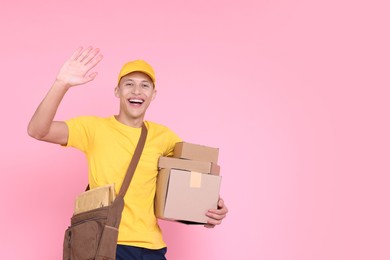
(81,132)
(171,142)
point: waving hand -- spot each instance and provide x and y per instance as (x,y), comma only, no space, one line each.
(76,70)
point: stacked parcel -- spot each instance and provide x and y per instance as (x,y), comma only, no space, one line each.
(188,183)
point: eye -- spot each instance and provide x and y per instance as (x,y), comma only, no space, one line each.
(146,85)
(129,83)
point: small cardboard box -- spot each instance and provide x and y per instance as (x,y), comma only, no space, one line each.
(186,196)
(196,152)
(189,165)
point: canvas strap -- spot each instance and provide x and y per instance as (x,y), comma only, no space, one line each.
(133,162)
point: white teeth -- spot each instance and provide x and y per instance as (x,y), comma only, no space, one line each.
(139,101)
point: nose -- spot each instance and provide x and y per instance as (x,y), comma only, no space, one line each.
(136,89)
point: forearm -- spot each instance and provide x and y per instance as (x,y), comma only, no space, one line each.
(74,72)
(43,117)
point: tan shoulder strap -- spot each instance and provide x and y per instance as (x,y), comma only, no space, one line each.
(134,161)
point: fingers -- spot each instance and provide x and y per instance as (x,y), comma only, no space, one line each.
(209,226)
(90,77)
(84,54)
(216,215)
(91,55)
(211,222)
(95,60)
(77,69)
(80,54)
(87,55)
(221,203)
(76,54)
(222,207)
(90,58)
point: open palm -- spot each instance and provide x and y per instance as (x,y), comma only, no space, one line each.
(76,70)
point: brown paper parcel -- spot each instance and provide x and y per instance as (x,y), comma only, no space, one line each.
(95,198)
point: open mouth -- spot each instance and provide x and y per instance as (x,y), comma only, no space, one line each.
(136,101)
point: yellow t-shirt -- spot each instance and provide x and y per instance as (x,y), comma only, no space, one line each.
(109,146)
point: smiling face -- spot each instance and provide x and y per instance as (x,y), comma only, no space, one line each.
(135,92)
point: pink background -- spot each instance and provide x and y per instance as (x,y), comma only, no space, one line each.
(294,93)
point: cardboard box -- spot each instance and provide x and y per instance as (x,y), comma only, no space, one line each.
(189,165)
(196,152)
(186,196)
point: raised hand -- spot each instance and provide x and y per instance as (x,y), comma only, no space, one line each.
(76,70)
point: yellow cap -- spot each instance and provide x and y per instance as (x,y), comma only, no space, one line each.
(137,65)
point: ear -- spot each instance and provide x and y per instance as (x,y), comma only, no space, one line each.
(116,91)
(154,94)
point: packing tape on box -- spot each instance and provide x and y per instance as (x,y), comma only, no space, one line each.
(195,179)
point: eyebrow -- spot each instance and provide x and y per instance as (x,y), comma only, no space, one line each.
(144,80)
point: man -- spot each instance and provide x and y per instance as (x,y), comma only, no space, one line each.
(110,142)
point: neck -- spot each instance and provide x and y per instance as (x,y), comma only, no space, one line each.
(133,122)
